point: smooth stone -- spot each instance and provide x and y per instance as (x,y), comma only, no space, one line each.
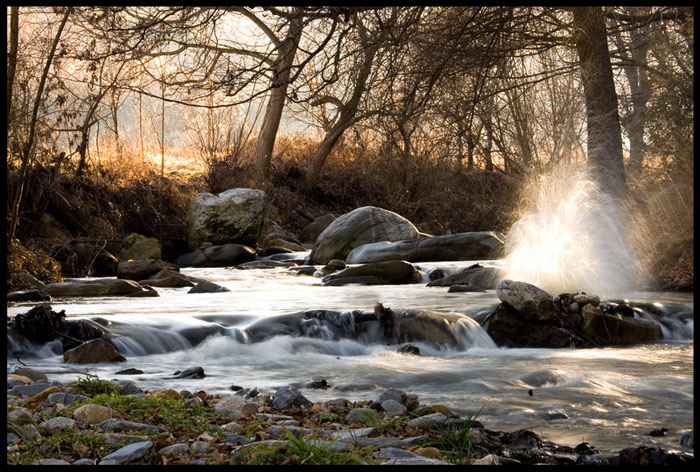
(124,425)
(238,440)
(191,373)
(84,461)
(65,398)
(60,422)
(30,390)
(428,421)
(50,462)
(14,380)
(394,408)
(378,442)
(31,295)
(362,415)
(201,447)
(120,439)
(129,453)
(346,435)
(208,287)
(489,459)
(93,352)
(92,414)
(236,407)
(21,416)
(128,387)
(392,394)
(287,397)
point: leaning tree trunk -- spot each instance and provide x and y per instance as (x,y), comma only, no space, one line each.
(275,104)
(603,121)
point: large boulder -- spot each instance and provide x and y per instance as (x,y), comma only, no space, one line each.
(233,216)
(93,288)
(136,246)
(93,352)
(217,256)
(389,272)
(141,269)
(533,303)
(454,247)
(361,226)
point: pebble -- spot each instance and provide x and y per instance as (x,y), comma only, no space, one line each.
(124,425)
(92,414)
(60,422)
(64,398)
(128,453)
(362,415)
(33,374)
(84,461)
(394,408)
(50,462)
(392,394)
(238,440)
(427,421)
(287,397)
(30,390)
(350,435)
(201,447)
(120,439)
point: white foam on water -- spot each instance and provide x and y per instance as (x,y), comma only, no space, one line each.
(571,238)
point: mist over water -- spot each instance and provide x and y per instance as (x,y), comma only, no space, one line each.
(571,237)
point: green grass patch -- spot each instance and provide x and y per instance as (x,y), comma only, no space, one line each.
(92,385)
(155,410)
(56,445)
(456,442)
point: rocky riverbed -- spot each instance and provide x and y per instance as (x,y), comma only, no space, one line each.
(94,421)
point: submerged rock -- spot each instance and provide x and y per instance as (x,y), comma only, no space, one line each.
(93,352)
(218,256)
(93,288)
(391,272)
(140,269)
(476,275)
(454,247)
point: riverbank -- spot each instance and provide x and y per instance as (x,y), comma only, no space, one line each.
(94,421)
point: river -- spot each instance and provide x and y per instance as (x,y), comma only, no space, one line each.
(609,397)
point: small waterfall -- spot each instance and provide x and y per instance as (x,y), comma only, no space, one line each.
(572,237)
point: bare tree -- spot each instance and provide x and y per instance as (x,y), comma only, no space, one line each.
(603,120)
(29,143)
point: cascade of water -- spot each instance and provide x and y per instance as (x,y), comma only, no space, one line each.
(572,237)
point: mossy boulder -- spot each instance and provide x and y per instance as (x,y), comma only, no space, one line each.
(233,216)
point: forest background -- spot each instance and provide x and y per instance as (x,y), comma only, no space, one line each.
(118,116)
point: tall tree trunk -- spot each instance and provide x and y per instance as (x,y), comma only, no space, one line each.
(12,58)
(29,144)
(603,121)
(638,81)
(275,105)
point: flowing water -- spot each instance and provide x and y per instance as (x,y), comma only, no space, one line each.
(610,397)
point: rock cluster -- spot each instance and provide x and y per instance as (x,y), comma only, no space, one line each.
(530,317)
(251,427)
